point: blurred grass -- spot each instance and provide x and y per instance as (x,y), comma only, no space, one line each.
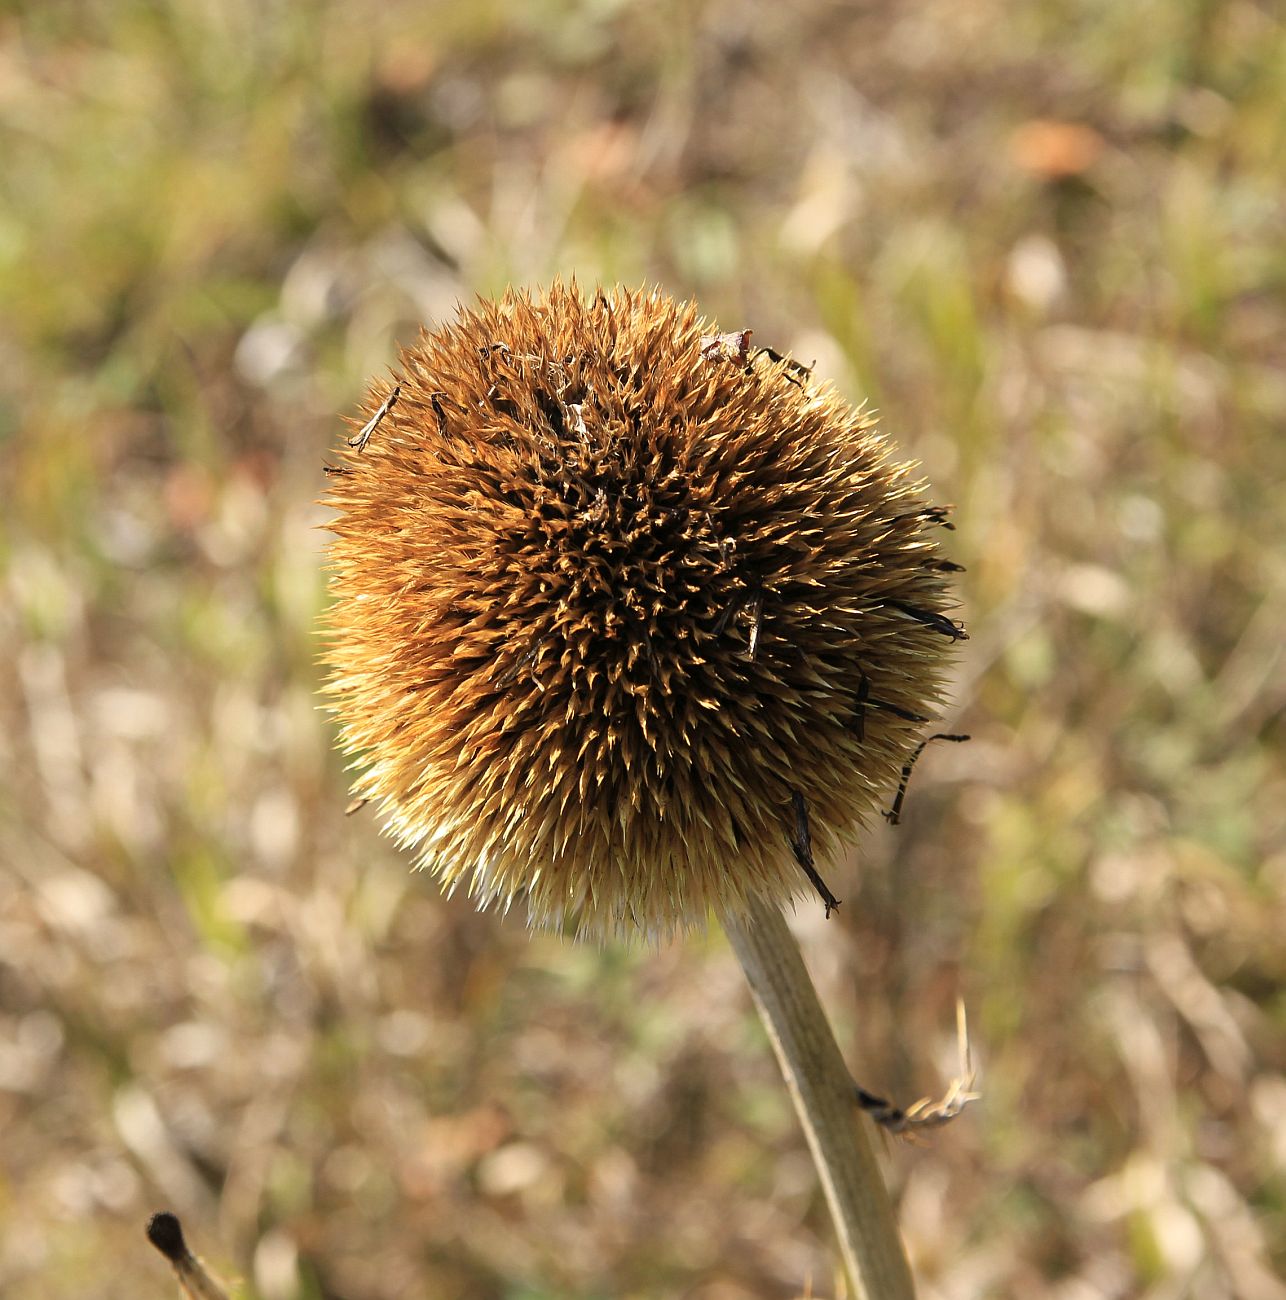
(1045,241)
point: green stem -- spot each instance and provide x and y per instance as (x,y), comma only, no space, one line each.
(824,1096)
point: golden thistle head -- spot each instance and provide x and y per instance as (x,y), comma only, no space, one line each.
(616,598)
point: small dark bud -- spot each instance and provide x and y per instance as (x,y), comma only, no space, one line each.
(166,1234)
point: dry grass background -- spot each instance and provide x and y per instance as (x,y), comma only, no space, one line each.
(1046,240)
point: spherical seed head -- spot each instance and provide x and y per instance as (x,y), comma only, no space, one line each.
(610,588)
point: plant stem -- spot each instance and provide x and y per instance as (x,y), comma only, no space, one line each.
(824,1096)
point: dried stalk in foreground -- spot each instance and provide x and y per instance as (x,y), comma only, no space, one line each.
(822,1090)
(195,1281)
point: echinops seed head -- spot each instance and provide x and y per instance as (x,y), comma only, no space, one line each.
(612,590)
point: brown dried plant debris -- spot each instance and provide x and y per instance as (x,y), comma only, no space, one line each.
(606,594)
(925,1114)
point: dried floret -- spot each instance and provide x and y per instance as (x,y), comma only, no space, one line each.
(611,597)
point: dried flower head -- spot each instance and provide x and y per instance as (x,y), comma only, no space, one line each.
(616,597)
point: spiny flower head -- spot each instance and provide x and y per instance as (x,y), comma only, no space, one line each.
(617,602)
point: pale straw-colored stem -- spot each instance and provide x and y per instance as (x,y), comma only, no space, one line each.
(824,1096)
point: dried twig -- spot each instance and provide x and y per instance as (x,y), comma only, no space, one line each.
(940,515)
(927,1113)
(436,400)
(940,623)
(860,701)
(360,439)
(801,842)
(195,1281)
(894,814)
(756,622)
(793,370)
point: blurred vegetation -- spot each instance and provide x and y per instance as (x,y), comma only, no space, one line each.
(1046,240)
